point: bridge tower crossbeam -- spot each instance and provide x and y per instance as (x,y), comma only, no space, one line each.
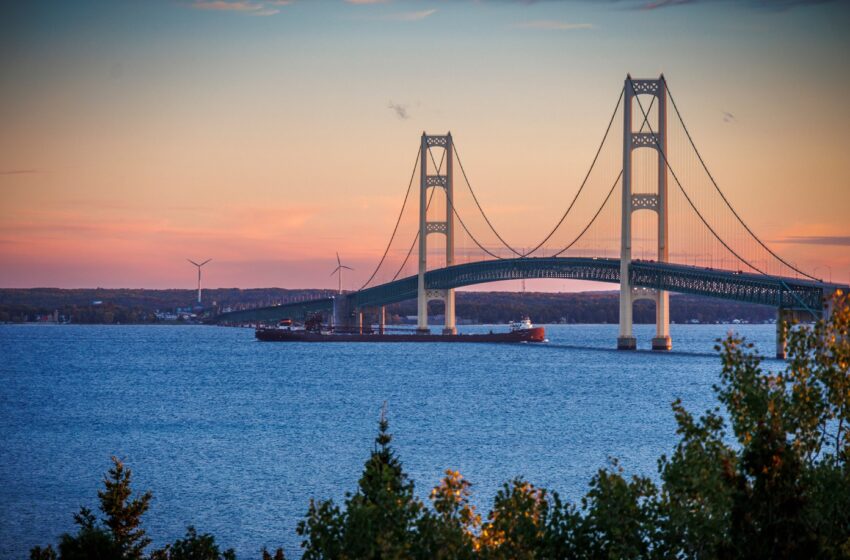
(444,181)
(632,202)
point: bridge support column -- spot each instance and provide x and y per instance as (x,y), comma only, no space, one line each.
(661,341)
(656,202)
(360,321)
(445,181)
(626,340)
(382,319)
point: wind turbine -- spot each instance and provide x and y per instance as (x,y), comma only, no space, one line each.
(338,271)
(199,275)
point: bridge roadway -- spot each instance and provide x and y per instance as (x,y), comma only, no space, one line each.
(780,292)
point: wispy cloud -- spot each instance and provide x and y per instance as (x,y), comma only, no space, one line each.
(365,2)
(763,5)
(19,172)
(841,240)
(265,8)
(397,16)
(409,16)
(552,25)
(399,110)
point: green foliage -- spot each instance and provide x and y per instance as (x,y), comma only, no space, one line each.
(122,515)
(120,537)
(38,553)
(91,541)
(449,530)
(196,547)
(378,520)
(278,554)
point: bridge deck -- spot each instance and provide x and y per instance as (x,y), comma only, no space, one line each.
(779,292)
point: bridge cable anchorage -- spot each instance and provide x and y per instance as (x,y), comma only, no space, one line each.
(463,225)
(720,192)
(397,222)
(428,205)
(645,123)
(687,197)
(586,177)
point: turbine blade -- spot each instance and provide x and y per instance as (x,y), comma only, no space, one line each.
(343,266)
(337,259)
(205,262)
(193,262)
(335,270)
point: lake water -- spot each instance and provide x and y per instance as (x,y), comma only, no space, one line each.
(235,436)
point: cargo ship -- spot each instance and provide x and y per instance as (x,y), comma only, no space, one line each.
(521,331)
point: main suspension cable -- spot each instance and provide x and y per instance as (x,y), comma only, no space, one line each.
(586,177)
(688,198)
(475,198)
(427,205)
(720,192)
(397,222)
(644,124)
(593,219)
(450,202)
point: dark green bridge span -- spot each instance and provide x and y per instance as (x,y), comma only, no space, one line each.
(782,293)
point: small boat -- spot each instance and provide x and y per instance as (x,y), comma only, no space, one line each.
(520,331)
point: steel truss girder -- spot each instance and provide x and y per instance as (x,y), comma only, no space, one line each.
(784,293)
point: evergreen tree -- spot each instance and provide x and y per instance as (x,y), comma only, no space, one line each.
(379,519)
(123,515)
(195,547)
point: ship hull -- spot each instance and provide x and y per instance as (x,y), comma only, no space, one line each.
(536,334)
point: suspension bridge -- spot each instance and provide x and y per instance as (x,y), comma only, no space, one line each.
(648,215)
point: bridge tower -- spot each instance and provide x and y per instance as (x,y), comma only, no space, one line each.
(632,202)
(445,181)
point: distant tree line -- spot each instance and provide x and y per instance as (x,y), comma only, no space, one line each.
(138,306)
(768,477)
(126,306)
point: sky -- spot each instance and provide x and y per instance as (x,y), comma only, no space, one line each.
(270,135)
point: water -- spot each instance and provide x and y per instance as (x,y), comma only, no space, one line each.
(235,436)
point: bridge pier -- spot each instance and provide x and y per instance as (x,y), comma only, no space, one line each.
(382,319)
(661,341)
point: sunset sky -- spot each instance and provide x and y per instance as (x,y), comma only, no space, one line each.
(267,135)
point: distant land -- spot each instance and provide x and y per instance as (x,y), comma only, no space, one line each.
(135,306)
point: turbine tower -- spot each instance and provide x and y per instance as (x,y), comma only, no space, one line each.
(199,275)
(338,271)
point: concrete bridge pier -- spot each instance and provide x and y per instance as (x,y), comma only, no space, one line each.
(661,341)
(382,319)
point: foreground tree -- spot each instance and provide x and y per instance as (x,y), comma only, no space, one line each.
(195,547)
(378,520)
(119,537)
